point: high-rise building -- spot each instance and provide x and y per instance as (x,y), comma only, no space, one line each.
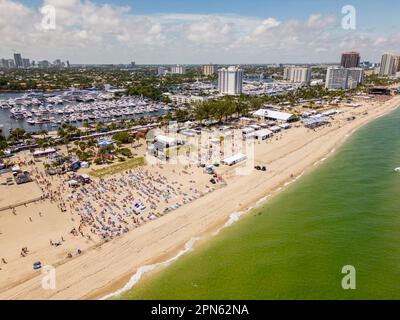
(297,74)
(178,69)
(11,63)
(162,71)
(397,64)
(230,80)
(26,63)
(209,69)
(389,65)
(4,63)
(18,60)
(355,77)
(343,78)
(43,64)
(350,60)
(336,78)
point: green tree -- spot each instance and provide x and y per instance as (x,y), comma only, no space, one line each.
(122,137)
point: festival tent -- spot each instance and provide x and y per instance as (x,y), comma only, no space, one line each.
(105,143)
(166,141)
(255,127)
(72,183)
(43,153)
(85,164)
(274,115)
(247,130)
(16,168)
(234,159)
(189,133)
(285,126)
(275,129)
(262,134)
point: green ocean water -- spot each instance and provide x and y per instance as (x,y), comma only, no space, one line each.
(346,212)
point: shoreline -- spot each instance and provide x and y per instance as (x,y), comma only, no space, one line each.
(98,277)
(197,241)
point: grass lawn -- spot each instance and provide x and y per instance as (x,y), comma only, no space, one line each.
(113,169)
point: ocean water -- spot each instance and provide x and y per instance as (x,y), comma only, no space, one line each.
(345,212)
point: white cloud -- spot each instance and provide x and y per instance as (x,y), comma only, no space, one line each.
(88,32)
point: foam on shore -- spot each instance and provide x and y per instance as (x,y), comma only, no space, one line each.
(233,218)
(147,268)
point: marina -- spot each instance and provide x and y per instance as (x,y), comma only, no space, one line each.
(35,111)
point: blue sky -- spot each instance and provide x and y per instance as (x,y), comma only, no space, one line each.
(374,12)
(190,31)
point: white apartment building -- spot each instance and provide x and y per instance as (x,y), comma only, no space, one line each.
(178,69)
(390,64)
(162,71)
(230,80)
(343,78)
(209,69)
(355,77)
(297,74)
(182,99)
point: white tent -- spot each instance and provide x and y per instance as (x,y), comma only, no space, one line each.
(214,140)
(329,112)
(247,130)
(72,183)
(262,134)
(274,115)
(188,133)
(85,164)
(255,127)
(285,126)
(234,159)
(42,153)
(171,141)
(275,129)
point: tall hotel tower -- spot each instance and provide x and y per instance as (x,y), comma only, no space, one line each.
(230,80)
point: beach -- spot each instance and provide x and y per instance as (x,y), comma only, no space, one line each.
(296,244)
(102,269)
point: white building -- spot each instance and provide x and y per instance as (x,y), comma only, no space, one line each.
(178,69)
(230,80)
(182,99)
(209,69)
(390,65)
(297,74)
(355,77)
(343,78)
(162,71)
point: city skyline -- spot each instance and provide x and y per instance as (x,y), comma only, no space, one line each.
(106,31)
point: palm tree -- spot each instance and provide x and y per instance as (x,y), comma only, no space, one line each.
(43,133)
(66,141)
